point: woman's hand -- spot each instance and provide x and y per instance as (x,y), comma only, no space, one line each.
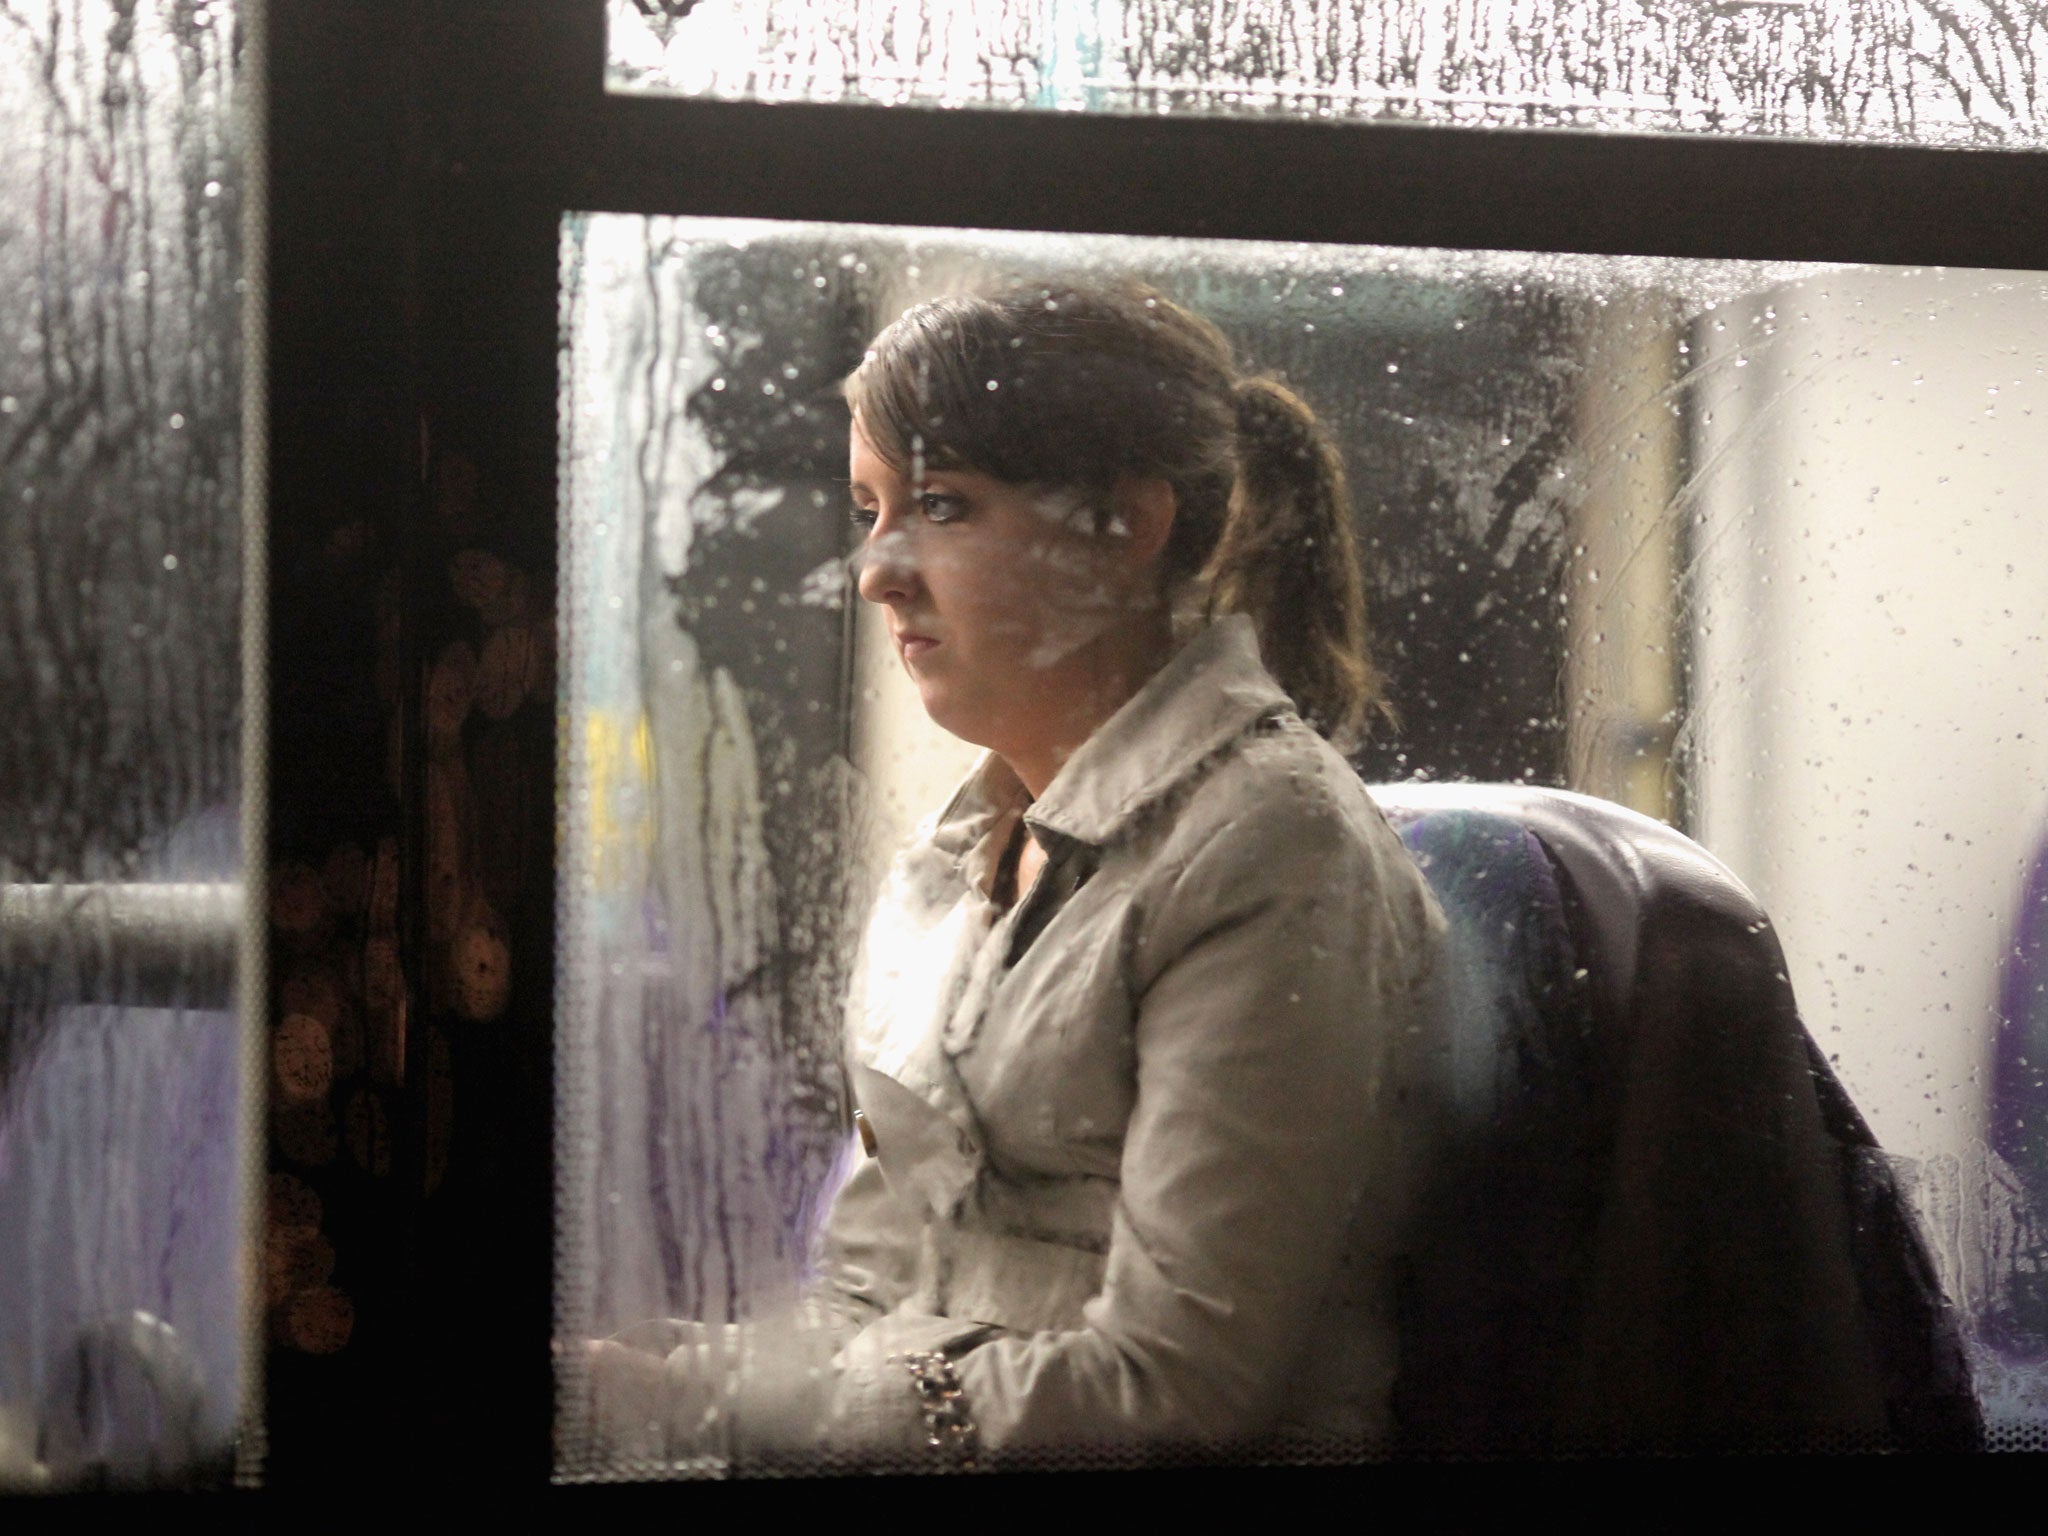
(761,1389)
(658,1391)
(671,1390)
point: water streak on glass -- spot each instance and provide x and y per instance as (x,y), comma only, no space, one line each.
(1752,549)
(120,541)
(707,937)
(1888,71)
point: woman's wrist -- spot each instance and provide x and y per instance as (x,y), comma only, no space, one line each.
(899,1401)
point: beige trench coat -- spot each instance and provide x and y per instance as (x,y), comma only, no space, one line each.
(1144,1141)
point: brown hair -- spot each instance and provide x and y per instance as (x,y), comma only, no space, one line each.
(1071,386)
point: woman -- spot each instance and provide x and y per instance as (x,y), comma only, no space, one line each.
(1135,1045)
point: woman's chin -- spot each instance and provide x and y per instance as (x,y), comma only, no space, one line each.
(950,714)
(952,724)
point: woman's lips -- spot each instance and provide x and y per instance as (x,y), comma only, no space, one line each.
(914,646)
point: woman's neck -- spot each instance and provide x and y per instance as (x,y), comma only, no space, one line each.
(1098,681)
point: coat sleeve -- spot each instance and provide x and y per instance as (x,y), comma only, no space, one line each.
(1273,983)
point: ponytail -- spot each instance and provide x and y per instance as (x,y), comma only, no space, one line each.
(1288,558)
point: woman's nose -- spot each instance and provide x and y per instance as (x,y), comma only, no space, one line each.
(885,567)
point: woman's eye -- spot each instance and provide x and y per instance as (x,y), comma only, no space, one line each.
(940,508)
(861,517)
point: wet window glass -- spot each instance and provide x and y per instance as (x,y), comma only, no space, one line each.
(122,1355)
(1752,551)
(1899,71)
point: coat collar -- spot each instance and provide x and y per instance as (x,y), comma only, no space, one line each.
(1211,691)
(1207,695)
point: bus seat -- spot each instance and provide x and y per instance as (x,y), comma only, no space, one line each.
(1659,1223)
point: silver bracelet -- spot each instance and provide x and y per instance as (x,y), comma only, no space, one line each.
(949,1425)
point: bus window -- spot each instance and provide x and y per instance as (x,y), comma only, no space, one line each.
(1746,547)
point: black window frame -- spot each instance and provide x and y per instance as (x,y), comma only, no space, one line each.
(421,156)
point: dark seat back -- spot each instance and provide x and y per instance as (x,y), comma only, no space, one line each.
(1658,1222)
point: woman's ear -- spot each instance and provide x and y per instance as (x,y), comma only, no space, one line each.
(1141,516)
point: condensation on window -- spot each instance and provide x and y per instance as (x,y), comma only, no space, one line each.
(1753,549)
(1892,71)
(121,1206)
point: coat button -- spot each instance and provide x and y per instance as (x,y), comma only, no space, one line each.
(867,1132)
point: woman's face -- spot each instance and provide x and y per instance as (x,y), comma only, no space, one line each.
(999,597)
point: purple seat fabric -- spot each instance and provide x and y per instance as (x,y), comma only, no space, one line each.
(1659,1223)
